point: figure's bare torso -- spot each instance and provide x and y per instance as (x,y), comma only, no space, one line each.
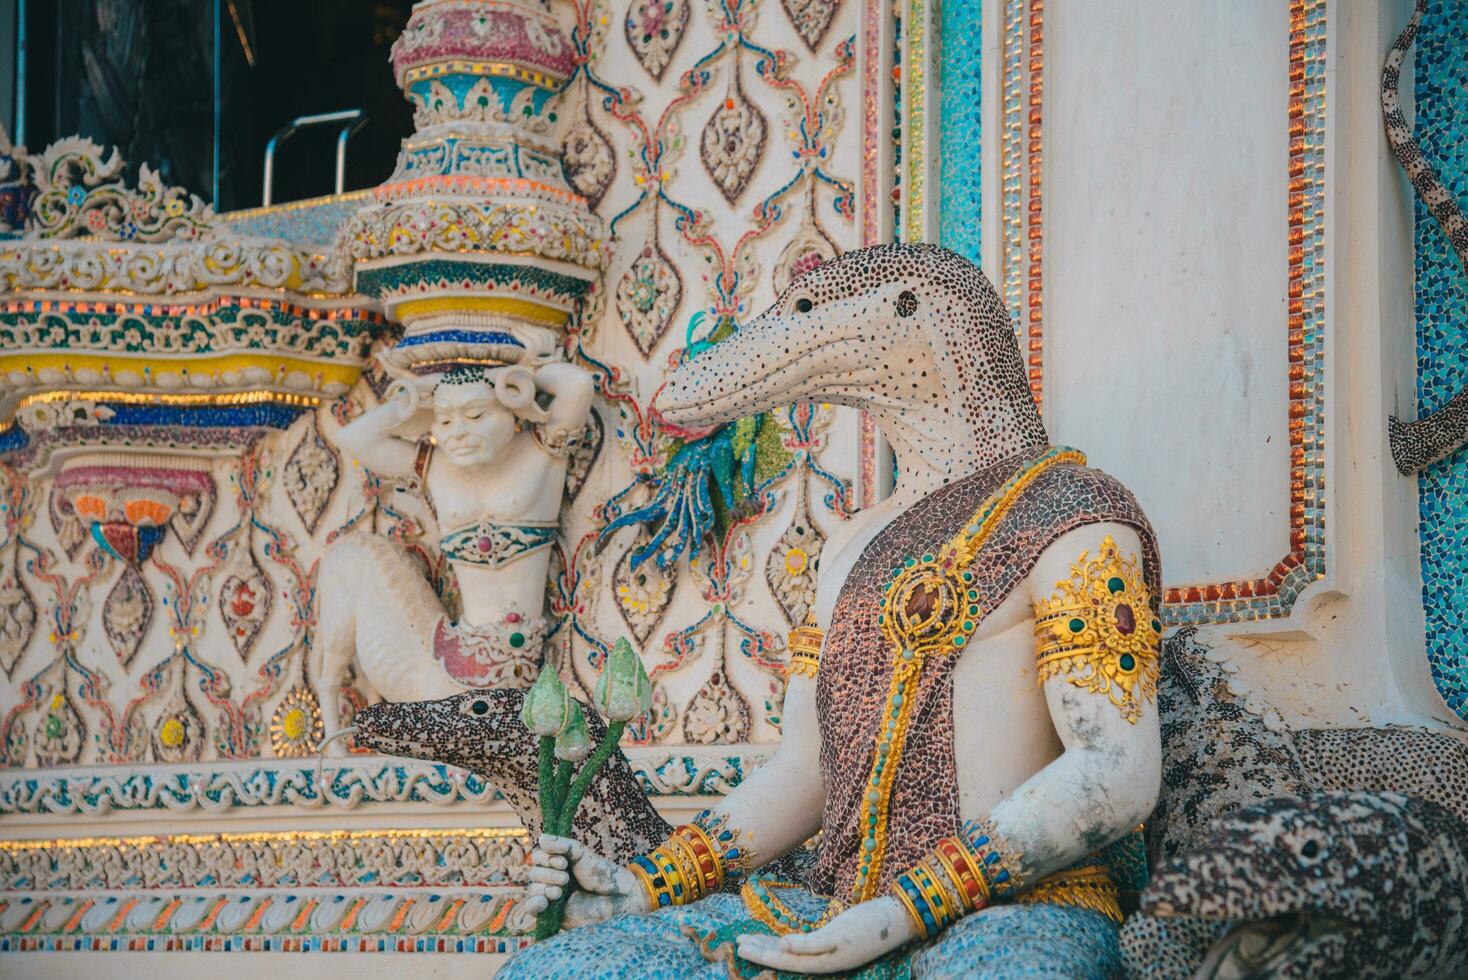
(522,486)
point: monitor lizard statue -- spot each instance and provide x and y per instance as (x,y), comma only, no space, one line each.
(970,715)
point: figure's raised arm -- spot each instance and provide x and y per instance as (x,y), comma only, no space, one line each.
(776,809)
(570,389)
(384,438)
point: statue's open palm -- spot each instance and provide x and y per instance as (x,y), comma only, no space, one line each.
(604,889)
(852,939)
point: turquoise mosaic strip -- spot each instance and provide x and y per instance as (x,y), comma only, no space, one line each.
(1441,300)
(960,104)
(311,222)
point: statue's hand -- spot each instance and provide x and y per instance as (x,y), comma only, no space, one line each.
(571,389)
(854,938)
(603,890)
(405,400)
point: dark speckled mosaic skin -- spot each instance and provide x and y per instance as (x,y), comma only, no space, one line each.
(616,818)
(1219,757)
(856,661)
(1393,868)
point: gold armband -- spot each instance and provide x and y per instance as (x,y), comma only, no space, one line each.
(805,650)
(1100,626)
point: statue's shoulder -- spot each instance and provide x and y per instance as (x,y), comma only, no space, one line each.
(1071,495)
(1082,487)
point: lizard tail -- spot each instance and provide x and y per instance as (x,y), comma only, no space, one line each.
(1437,434)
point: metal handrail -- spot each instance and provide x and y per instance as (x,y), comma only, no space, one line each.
(351,120)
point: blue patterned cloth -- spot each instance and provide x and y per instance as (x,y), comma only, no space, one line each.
(1008,941)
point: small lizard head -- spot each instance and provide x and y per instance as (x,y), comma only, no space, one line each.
(477,730)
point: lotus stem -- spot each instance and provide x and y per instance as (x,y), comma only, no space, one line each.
(548,923)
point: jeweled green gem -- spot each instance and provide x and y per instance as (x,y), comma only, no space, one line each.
(973,610)
(54,727)
(1076,625)
(517,640)
(1115,584)
(1127,661)
(1156,626)
(968,626)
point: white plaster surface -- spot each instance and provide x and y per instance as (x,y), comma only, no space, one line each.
(1166,266)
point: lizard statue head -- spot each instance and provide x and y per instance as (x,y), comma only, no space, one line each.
(914,334)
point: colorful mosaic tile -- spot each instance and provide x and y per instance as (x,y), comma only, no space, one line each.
(960,106)
(1441,301)
(315,221)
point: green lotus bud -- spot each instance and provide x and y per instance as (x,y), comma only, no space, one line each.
(622,691)
(547,708)
(574,742)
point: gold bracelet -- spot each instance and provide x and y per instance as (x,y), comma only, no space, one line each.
(659,874)
(805,650)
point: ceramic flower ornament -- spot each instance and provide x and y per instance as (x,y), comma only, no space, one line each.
(547,709)
(623,691)
(574,742)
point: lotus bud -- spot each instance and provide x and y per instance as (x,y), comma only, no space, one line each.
(574,742)
(623,690)
(547,708)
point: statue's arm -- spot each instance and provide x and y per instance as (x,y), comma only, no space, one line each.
(775,809)
(1103,784)
(377,438)
(778,807)
(571,389)
(1106,781)
(1097,667)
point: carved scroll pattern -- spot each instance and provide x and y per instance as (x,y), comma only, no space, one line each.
(729,184)
(112,663)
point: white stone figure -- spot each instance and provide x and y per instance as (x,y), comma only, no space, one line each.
(493,468)
(979,678)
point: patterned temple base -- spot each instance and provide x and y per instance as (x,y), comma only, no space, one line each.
(257,922)
(698,940)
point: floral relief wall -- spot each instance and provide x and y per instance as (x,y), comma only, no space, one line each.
(721,143)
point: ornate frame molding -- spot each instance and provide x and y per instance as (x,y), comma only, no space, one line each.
(347,785)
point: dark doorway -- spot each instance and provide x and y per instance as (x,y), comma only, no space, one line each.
(140,74)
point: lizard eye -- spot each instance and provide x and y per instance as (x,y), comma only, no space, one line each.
(479,707)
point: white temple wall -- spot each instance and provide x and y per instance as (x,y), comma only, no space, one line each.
(1166,354)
